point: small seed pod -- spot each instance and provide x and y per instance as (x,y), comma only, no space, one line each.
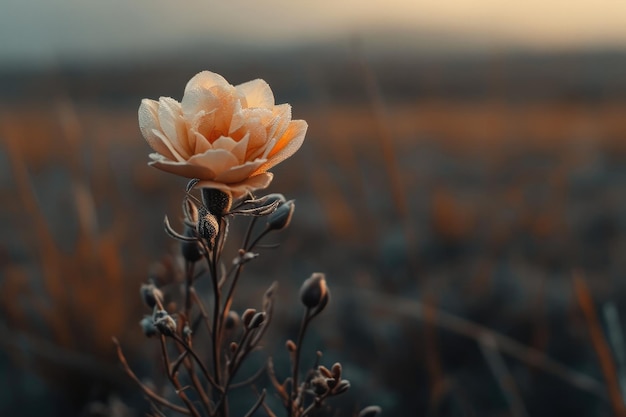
(281,218)
(166,325)
(336,370)
(342,387)
(257,320)
(331,382)
(290,345)
(190,250)
(150,294)
(148,326)
(314,291)
(233,347)
(207,226)
(247,315)
(216,201)
(370,411)
(319,385)
(324,371)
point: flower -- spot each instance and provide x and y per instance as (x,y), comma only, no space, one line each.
(226,136)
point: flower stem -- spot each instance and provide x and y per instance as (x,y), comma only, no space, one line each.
(295,392)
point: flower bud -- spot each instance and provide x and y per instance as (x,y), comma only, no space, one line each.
(257,320)
(336,370)
(314,291)
(166,325)
(290,345)
(150,294)
(281,217)
(207,226)
(324,371)
(247,315)
(216,201)
(370,411)
(148,326)
(190,250)
(319,384)
(342,387)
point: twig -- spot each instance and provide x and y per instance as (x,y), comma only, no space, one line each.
(599,343)
(257,404)
(498,367)
(467,328)
(151,394)
(174,379)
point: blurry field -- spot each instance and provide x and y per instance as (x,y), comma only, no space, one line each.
(480,203)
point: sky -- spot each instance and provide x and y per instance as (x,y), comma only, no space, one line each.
(41,30)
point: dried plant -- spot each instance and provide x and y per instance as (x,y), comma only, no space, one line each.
(226,137)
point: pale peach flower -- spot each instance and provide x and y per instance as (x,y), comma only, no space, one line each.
(227,136)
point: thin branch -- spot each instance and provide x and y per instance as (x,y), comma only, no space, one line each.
(151,394)
(467,328)
(257,404)
(174,380)
(498,367)
(599,343)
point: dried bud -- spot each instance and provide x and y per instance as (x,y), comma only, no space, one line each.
(148,326)
(207,226)
(150,294)
(370,411)
(336,370)
(216,201)
(290,345)
(342,387)
(247,315)
(190,250)
(324,371)
(319,385)
(331,382)
(166,325)
(257,320)
(159,314)
(314,291)
(233,347)
(281,217)
(231,321)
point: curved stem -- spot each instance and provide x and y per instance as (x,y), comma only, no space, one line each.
(296,362)
(174,380)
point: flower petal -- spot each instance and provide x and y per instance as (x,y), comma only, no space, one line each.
(159,136)
(205,80)
(184,169)
(282,117)
(240,149)
(257,93)
(173,125)
(224,142)
(239,173)
(149,121)
(198,142)
(287,145)
(217,160)
(239,190)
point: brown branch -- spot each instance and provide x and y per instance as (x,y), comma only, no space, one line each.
(151,394)
(467,328)
(599,342)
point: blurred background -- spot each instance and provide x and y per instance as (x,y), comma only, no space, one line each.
(461,184)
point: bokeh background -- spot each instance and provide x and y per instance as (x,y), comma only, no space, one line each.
(461,184)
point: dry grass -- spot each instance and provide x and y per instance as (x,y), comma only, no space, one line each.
(430,197)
